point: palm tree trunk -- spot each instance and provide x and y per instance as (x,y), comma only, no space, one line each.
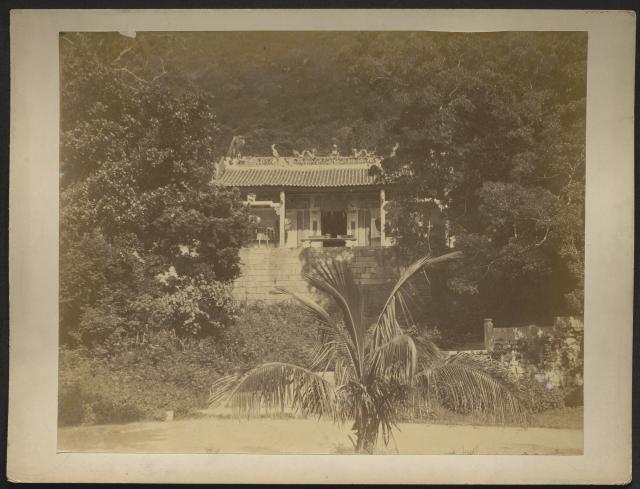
(366,431)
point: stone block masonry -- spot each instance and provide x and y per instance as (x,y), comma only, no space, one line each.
(265,269)
(552,353)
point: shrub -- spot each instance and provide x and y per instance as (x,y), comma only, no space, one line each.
(265,333)
(89,393)
(574,397)
(192,306)
(540,397)
(118,410)
(141,379)
(73,393)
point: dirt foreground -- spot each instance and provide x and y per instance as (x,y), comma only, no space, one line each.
(264,435)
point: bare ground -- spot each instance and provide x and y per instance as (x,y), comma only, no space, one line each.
(294,435)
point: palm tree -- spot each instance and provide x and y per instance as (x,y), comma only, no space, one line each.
(379,371)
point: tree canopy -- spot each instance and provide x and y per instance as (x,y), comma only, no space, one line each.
(146,240)
(490,129)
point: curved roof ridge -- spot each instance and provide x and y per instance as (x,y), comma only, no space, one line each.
(299,167)
(297,176)
(314,161)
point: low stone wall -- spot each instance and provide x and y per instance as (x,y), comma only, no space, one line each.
(551,354)
(264,269)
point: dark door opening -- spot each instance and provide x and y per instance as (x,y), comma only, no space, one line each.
(334,225)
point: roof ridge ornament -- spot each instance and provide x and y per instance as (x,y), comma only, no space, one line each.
(363,153)
(235,147)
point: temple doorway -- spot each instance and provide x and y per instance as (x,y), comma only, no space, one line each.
(334,225)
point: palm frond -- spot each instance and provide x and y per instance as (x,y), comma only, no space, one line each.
(323,355)
(273,385)
(335,348)
(420,264)
(428,352)
(342,373)
(335,278)
(327,327)
(396,359)
(309,305)
(469,385)
(387,325)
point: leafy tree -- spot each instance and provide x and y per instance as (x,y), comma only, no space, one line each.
(137,199)
(490,126)
(286,88)
(491,142)
(378,370)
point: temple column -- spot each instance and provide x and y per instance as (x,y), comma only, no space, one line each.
(382,218)
(281,216)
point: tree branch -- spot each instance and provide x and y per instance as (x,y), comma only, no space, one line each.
(164,71)
(542,241)
(122,53)
(128,71)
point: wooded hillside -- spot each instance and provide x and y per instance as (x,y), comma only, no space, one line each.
(491,125)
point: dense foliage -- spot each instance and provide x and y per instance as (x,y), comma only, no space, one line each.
(167,372)
(490,127)
(147,242)
(491,133)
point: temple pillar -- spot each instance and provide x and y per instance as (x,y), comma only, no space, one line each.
(282,218)
(488,334)
(382,218)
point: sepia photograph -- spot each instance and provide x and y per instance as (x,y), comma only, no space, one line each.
(321,246)
(322,242)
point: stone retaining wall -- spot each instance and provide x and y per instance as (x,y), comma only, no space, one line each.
(264,269)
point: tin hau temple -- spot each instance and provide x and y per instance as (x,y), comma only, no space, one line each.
(307,207)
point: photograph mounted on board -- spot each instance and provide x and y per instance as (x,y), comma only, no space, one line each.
(322,242)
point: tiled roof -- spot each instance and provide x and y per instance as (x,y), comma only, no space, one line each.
(320,172)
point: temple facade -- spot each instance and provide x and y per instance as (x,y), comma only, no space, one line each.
(310,201)
(308,208)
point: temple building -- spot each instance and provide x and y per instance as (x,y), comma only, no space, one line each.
(310,201)
(308,208)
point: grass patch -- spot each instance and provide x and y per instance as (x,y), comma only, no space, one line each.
(567,418)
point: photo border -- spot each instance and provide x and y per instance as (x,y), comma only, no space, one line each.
(34,255)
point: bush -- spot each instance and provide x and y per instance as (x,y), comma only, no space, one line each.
(192,306)
(73,389)
(575,397)
(134,380)
(281,332)
(104,411)
(540,398)
(141,381)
